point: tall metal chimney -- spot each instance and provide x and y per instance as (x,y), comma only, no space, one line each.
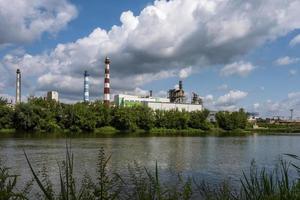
(107,83)
(180,85)
(86,95)
(150,93)
(18,86)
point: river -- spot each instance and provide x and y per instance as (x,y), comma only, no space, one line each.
(213,159)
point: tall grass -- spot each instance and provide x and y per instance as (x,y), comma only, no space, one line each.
(144,184)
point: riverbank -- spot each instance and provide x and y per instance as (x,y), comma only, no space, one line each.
(109,131)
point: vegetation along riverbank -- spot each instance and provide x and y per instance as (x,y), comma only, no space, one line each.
(39,115)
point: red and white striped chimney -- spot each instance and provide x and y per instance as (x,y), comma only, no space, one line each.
(106,83)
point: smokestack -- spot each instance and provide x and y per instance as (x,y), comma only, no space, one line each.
(180,85)
(150,93)
(18,87)
(106,83)
(86,95)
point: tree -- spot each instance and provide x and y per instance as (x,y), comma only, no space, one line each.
(231,121)
(102,114)
(123,119)
(6,115)
(144,117)
(198,120)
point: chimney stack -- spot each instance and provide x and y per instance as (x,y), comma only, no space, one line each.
(86,95)
(180,85)
(150,93)
(18,87)
(107,83)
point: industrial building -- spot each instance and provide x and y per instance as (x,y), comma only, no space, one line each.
(131,100)
(173,106)
(176,101)
(52,95)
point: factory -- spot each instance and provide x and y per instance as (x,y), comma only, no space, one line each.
(176,97)
(176,101)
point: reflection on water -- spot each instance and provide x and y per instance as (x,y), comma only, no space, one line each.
(210,158)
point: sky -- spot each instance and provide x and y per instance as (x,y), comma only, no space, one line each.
(233,53)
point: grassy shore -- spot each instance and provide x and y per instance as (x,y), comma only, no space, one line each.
(109,131)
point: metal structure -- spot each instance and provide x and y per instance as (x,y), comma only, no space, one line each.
(177,95)
(196,99)
(107,83)
(86,93)
(18,86)
(292,112)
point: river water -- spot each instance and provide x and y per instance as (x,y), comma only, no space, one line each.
(213,159)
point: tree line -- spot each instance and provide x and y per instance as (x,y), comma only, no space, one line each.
(50,116)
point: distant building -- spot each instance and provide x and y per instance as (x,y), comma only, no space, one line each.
(173,106)
(131,100)
(155,103)
(253,116)
(212,116)
(52,95)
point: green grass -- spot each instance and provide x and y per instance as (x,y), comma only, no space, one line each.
(107,130)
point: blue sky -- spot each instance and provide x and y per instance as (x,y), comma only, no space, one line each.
(233,53)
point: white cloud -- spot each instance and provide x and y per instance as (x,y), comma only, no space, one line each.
(286,60)
(231,98)
(271,108)
(229,101)
(185,72)
(25,21)
(154,45)
(295,40)
(237,68)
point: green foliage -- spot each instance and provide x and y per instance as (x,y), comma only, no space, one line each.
(198,120)
(123,118)
(51,116)
(144,117)
(231,121)
(3,101)
(6,117)
(172,119)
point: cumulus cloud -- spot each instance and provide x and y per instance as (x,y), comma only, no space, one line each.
(228,101)
(237,68)
(25,21)
(271,108)
(286,60)
(185,72)
(231,98)
(295,40)
(158,43)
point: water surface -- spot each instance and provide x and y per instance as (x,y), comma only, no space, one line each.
(211,158)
